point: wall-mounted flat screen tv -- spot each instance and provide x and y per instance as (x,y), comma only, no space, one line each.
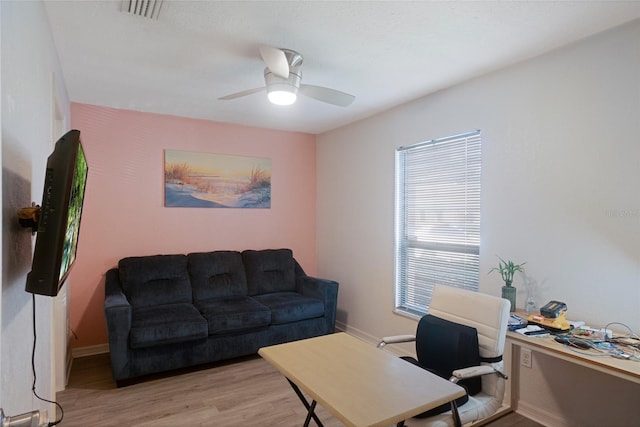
(59,219)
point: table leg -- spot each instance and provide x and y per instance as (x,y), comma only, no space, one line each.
(400,424)
(310,414)
(310,407)
(455,414)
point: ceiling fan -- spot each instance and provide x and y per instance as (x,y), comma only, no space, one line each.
(282,78)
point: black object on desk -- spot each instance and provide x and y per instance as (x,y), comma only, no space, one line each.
(539,332)
(516,322)
(575,342)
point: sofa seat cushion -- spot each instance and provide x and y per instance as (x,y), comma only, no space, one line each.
(289,307)
(166,324)
(231,314)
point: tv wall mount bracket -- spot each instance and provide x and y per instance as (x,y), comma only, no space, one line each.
(29,217)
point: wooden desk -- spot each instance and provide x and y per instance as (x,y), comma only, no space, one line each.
(358,383)
(626,369)
(565,385)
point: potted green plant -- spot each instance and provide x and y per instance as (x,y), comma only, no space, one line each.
(507,269)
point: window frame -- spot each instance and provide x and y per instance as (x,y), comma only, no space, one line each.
(437,223)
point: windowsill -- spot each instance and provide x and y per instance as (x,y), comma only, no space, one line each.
(403,313)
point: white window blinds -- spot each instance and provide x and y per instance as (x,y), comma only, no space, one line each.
(437,218)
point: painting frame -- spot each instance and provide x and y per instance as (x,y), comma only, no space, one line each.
(209,180)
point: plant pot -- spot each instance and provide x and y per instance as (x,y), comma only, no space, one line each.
(509,293)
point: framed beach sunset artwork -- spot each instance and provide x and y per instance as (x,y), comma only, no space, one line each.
(203,180)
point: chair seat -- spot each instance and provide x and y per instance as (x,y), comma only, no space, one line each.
(478,407)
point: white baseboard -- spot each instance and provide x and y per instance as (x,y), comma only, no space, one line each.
(541,416)
(90,350)
(340,327)
(104,348)
(374,341)
(357,333)
(68,364)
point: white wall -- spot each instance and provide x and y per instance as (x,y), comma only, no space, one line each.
(30,75)
(561,173)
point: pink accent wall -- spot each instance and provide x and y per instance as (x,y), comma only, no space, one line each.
(124,213)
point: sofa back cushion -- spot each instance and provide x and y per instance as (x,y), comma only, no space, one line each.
(218,274)
(155,280)
(269,270)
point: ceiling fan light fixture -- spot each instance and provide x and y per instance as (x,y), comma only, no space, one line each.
(282,91)
(282,77)
(282,97)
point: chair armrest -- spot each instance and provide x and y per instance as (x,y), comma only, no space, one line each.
(475,371)
(396,339)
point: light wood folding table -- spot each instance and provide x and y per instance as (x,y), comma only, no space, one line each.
(359,384)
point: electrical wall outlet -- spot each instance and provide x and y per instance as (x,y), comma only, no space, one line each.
(525,357)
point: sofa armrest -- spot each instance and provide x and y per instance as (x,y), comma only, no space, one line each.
(117,311)
(114,297)
(325,290)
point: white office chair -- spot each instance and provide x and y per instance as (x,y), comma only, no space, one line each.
(489,316)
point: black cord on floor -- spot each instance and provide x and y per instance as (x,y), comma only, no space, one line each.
(33,368)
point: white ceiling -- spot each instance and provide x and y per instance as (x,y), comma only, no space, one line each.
(384,52)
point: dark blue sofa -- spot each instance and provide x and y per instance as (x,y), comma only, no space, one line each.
(165,312)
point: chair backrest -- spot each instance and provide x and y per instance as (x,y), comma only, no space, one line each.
(443,346)
(488,314)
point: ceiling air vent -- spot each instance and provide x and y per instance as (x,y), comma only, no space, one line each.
(145,8)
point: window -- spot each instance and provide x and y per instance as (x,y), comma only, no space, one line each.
(437,219)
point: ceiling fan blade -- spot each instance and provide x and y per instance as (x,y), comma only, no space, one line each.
(324,94)
(276,61)
(240,94)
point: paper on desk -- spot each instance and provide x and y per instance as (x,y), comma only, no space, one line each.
(531,328)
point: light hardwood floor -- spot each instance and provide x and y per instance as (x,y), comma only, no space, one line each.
(244,392)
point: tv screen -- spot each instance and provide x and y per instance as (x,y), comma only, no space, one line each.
(59,220)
